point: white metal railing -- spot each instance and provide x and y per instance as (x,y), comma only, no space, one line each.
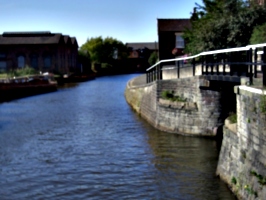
(252,53)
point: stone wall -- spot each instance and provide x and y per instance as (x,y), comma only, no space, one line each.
(242,158)
(199,115)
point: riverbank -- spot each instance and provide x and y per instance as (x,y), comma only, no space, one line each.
(242,160)
(26,86)
(195,116)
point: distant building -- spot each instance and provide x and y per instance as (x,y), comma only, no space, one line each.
(43,51)
(171,43)
(140,52)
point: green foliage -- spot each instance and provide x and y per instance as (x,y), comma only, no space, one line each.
(261,179)
(233,180)
(100,50)
(232,118)
(153,58)
(258,35)
(263,103)
(250,190)
(170,96)
(23,72)
(105,65)
(93,47)
(220,24)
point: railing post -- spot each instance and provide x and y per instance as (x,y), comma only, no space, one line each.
(263,67)
(212,64)
(224,65)
(249,60)
(255,63)
(178,69)
(217,64)
(230,62)
(202,65)
(207,64)
(158,74)
(147,76)
(193,66)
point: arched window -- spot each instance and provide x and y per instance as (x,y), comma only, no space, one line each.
(47,61)
(34,61)
(2,66)
(2,62)
(21,61)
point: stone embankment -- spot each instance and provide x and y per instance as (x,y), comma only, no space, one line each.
(198,115)
(242,160)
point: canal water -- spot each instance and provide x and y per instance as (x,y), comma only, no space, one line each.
(85,142)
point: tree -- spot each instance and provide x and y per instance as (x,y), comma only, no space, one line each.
(258,35)
(153,58)
(106,50)
(220,24)
(93,48)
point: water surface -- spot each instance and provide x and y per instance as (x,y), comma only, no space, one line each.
(85,142)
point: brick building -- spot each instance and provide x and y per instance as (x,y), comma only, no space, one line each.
(140,52)
(43,51)
(170,37)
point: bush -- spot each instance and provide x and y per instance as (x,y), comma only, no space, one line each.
(23,71)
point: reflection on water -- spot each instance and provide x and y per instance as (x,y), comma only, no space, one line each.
(85,142)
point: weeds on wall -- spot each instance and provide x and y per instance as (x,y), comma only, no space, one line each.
(250,190)
(233,180)
(261,179)
(263,102)
(169,95)
(232,117)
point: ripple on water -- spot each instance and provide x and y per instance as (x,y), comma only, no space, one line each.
(85,142)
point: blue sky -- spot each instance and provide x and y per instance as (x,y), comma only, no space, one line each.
(125,20)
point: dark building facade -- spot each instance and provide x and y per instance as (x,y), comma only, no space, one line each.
(171,43)
(140,49)
(139,53)
(43,51)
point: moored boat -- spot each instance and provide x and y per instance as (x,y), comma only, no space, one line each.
(18,87)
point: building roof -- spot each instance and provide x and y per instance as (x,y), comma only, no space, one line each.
(176,25)
(46,37)
(142,45)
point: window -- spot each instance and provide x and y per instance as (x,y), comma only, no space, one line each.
(47,61)
(34,61)
(115,53)
(180,43)
(2,66)
(21,61)
(2,55)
